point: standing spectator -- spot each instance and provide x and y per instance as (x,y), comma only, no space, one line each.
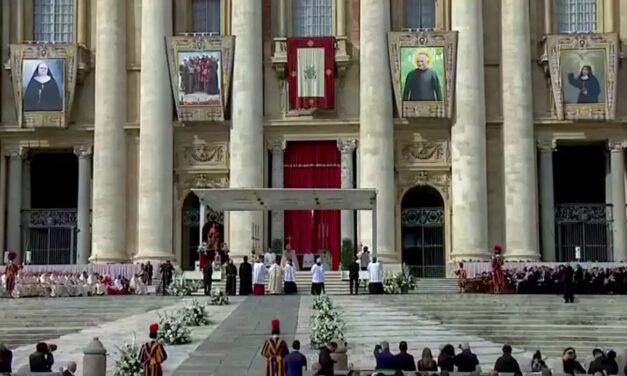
(507,363)
(446,358)
(383,356)
(6,359)
(466,361)
(325,363)
(295,362)
(426,362)
(404,361)
(353,275)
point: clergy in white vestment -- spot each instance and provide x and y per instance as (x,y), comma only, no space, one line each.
(269,258)
(259,277)
(317,278)
(375,285)
(275,278)
(290,254)
(308,260)
(289,278)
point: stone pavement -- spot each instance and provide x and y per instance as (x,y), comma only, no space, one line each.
(234,347)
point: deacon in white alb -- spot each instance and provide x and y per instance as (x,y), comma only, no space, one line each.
(259,277)
(375,269)
(289,278)
(317,278)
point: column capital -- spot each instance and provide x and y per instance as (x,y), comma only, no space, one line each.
(547,145)
(616,145)
(347,145)
(16,152)
(276,145)
(83,151)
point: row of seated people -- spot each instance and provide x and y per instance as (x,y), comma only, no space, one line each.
(61,284)
(546,280)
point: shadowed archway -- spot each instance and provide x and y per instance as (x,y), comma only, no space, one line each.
(422,232)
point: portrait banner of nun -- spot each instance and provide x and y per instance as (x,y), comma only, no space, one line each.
(583,76)
(43,82)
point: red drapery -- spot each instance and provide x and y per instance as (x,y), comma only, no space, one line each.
(328,101)
(313,165)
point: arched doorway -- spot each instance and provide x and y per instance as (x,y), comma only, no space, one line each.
(191,229)
(422,232)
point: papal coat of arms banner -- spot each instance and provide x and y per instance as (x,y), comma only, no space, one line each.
(200,70)
(583,70)
(311,70)
(423,72)
(44,80)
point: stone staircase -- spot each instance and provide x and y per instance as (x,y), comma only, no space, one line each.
(438,286)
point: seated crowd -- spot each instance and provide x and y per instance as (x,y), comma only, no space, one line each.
(545,280)
(465,361)
(60,285)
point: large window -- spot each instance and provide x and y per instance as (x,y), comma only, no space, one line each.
(419,14)
(206,16)
(54,20)
(312,18)
(576,16)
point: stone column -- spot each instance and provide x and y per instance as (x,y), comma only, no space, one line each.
(246,138)
(14,209)
(19,22)
(277,147)
(519,146)
(282,18)
(468,136)
(340,16)
(619,225)
(82,20)
(83,216)
(376,130)
(547,201)
(26,188)
(156,150)
(347,147)
(109,186)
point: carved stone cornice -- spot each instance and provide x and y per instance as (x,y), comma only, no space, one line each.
(203,153)
(83,151)
(16,152)
(421,152)
(616,145)
(206,181)
(547,145)
(437,179)
(276,145)
(347,146)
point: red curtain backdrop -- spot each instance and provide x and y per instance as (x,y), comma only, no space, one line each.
(313,165)
(328,101)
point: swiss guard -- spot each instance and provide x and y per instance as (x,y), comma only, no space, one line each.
(152,354)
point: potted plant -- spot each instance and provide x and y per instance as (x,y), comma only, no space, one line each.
(277,248)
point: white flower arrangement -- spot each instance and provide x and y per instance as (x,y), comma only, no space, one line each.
(194,314)
(172,330)
(399,283)
(182,287)
(128,364)
(326,323)
(218,297)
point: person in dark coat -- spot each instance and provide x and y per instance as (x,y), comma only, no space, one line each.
(404,360)
(325,362)
(245,277)
(568,281)
(6,359)
(353,276)
(207,278)
(466,361)
(231,278)
(42,360)
(570,364)
(597,364)
(609,365)
(445,358)
(506,363)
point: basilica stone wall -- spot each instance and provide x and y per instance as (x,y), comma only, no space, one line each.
(464,158)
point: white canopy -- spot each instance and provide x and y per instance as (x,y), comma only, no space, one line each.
(264,199)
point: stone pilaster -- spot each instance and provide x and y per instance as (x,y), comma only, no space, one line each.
(468,136)
(282,18)
(347,148)
(547,200)
(277,147)
(156,151)
(519,148)
(14,198)
(246,138)
(619,224)
(376,130)
(109,188)
(83,241)
(340,16)
(26,187)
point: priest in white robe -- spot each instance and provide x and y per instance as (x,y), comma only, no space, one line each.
(289,278)
(269,258)
(275,279)
(259,277)
(375,270)
(317,278)
(290,255)
(308,260)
